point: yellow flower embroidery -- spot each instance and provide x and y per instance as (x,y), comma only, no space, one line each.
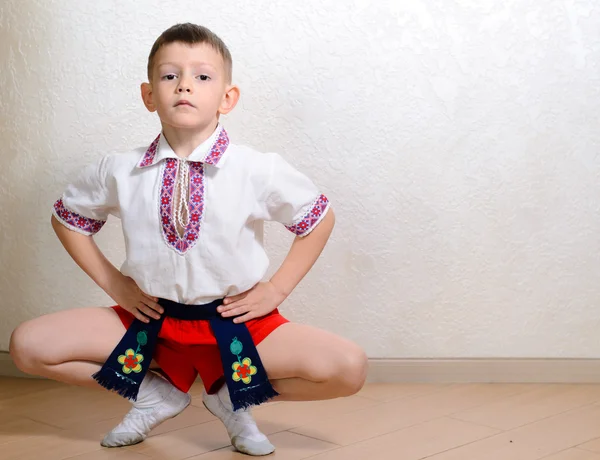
(243,371)
(131,361)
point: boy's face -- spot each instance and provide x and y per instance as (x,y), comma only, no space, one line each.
(189,87)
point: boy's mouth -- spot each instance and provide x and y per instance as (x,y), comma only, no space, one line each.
(183,102)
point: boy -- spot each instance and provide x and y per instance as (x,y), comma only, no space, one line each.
(191,286)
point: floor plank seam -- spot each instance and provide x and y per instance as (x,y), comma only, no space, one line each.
(28,417)
(453,416)
(398,430)
(312,437)
(578,447)
(494,399)
(467,443)
(517,428)
(290,429)
(556,453)
(442,387)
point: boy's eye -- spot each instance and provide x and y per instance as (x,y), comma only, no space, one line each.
(170,76)
(204,77)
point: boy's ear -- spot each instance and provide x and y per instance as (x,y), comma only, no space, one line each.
(147,96)
(230,99)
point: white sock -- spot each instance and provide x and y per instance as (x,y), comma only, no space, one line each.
(153,390)
(157,401)
(238,423)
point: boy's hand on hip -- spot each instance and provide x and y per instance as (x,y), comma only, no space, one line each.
(130,297)
(259,301)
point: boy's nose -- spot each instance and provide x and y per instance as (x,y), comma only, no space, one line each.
(182,89)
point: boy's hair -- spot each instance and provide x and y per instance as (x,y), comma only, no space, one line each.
(192,34)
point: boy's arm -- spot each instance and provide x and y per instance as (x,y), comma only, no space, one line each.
(87,255)
(121,289)
(263,298)
(302,256)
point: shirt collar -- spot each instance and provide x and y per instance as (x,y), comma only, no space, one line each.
(209,152)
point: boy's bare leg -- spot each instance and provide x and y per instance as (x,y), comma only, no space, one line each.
(305,363)
(70,346)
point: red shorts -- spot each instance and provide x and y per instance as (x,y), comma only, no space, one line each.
(188,348)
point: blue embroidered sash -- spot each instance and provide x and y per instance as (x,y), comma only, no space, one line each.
(244,373)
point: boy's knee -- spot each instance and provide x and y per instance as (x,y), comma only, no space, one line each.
(347,370)
(21,349)
(353,371)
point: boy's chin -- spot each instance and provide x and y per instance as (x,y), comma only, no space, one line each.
(187,124)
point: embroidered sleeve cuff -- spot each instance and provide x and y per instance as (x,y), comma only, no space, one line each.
(75,221)
(315,214)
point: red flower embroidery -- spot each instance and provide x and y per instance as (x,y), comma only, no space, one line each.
(78,221)
(311,218)
(218,149)
(243,371)
(131,361)
(150,153)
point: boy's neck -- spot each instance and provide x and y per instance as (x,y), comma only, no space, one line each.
(184,141)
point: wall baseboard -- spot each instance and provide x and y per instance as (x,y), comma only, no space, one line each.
(498,370)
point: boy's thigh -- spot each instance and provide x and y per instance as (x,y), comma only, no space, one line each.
(302,351)
(87,334)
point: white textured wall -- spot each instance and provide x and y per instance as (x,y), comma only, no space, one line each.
(458,141)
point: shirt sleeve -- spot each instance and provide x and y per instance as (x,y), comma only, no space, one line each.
(86,202)
(292,199)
